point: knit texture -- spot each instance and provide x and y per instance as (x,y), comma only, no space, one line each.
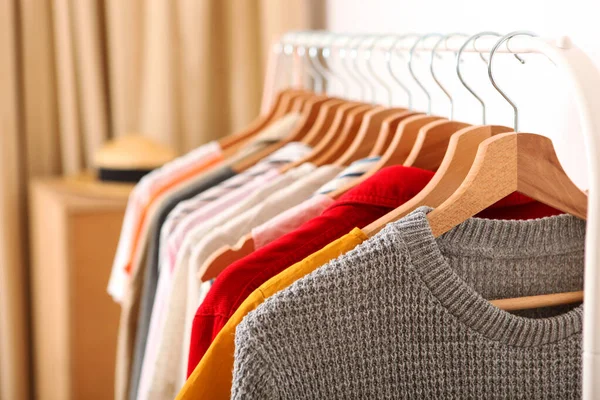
(405,315)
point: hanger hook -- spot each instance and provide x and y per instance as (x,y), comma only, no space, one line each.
(389,55)
(432,69)
(313,52)
(379,80)
(288,51)
(522,61)
(411,69)
(348,68)
(291,48)
(459,73)
(302,51)
(324,48)
(503,39)
(327,51)
(277,51)
(354,56)
(388,58)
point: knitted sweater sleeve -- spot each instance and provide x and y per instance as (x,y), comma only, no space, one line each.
(253,369)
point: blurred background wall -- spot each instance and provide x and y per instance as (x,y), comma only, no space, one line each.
(76,73)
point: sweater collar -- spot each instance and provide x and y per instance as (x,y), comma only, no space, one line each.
(540,237)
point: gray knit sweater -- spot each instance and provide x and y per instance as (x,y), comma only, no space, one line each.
(404,315)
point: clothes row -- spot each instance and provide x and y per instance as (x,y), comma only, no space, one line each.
(317,309)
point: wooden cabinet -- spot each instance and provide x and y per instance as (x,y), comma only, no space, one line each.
(75,225)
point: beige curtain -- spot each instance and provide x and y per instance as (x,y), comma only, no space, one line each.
(74,73)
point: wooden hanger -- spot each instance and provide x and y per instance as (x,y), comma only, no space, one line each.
(309,117)
(404,140)
(347,135)
(389,126)
(452,171)
(368,134)
(504,164)
(331,135)
(452,174)
(397,150)
(300,100)
(432,143)
(224,257)
(295,105)
(281,105)
(325,118)
(539,301)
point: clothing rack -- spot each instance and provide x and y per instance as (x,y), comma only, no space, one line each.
(582,78)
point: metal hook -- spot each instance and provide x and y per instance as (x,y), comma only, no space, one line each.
(522,61)
(491,75)
(372,69)
(459,73)
(311,71)
(288,51)
(277,51)
(326,51)
(389,54)
(354,56)
(348,68)
(412,72)
(432,70)
(313,53)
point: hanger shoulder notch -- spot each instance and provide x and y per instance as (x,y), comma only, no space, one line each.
(404,139)
(542,177)
(371,119)
(492,177)
(310,114)
(459,158)
(347,134)
(329,139)
(389,126)
(308,118)
(224,257)
(299,102)
(281,105)
(323,121)
(376,120)
(431,144)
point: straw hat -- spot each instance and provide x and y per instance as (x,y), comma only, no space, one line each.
(129,158)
